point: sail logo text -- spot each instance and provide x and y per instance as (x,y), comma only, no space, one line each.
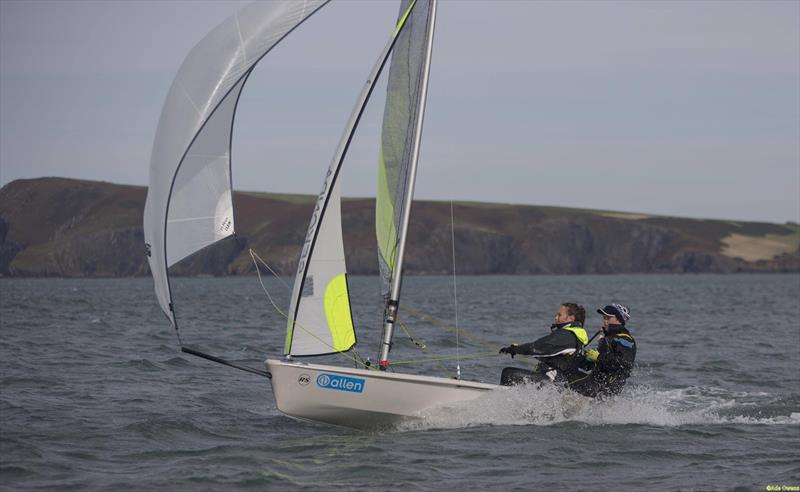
(341,383)
(312,227)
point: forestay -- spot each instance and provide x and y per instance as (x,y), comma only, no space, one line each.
(189,200)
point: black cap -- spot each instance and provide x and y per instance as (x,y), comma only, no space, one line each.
(622,313)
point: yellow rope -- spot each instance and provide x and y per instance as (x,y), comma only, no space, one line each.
(255,256)
(447,357)
(403,326)
(415,312)
(422,347)
(441,324)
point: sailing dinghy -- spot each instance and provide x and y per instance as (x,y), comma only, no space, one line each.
(189,207)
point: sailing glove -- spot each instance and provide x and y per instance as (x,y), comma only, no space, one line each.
(592,355)
(510,350)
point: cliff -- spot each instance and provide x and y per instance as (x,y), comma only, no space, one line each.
(66,227)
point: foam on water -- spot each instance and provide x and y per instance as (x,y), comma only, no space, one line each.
(94,394)
(642,405)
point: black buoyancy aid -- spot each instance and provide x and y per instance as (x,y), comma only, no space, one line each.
(562,351)
(617,353)
(563,338)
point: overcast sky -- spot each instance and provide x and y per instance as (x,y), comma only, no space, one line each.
(674,108)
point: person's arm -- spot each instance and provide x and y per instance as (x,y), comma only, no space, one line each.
(558,342)
(517,349)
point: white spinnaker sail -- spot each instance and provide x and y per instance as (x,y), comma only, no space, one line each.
(189,200)
(320,321)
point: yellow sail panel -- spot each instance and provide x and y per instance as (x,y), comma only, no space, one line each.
(385,227)
(403,19)
(287,344)
(337,312)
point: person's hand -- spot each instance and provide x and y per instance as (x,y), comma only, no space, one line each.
(510,350)
(592,355)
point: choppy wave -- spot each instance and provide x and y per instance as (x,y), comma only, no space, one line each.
(642,405)
(94,393)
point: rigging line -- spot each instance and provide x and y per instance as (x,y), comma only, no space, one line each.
(441,324)
(448,357)
(403,326)
(422,346)
(254,255)
(275,306)
(455,289)
(358,362)
(260,281)
(360,359)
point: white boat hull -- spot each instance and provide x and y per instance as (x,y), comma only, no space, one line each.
(360,398)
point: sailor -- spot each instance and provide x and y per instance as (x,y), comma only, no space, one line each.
(614,357)
(560,353)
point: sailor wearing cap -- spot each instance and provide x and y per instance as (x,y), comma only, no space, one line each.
(614,357)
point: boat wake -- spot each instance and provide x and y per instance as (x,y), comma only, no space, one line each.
(642,405)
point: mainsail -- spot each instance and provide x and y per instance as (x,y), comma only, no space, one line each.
(189,201)
(400,144)
(320,321)
(400,135)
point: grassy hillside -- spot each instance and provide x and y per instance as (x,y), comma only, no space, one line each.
(56,226)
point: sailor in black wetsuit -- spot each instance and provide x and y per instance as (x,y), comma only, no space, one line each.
(560,353)
(613,361)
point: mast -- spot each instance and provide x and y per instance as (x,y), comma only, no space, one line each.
(393,302)
(324,336)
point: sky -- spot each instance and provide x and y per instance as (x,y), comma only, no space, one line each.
(662,107)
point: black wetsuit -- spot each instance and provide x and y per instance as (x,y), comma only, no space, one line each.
(617,352)
(561,351)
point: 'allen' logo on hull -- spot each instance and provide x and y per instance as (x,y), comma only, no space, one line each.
(340,383)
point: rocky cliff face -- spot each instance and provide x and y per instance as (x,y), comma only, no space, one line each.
(63,227)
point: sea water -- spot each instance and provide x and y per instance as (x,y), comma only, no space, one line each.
(94,393)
